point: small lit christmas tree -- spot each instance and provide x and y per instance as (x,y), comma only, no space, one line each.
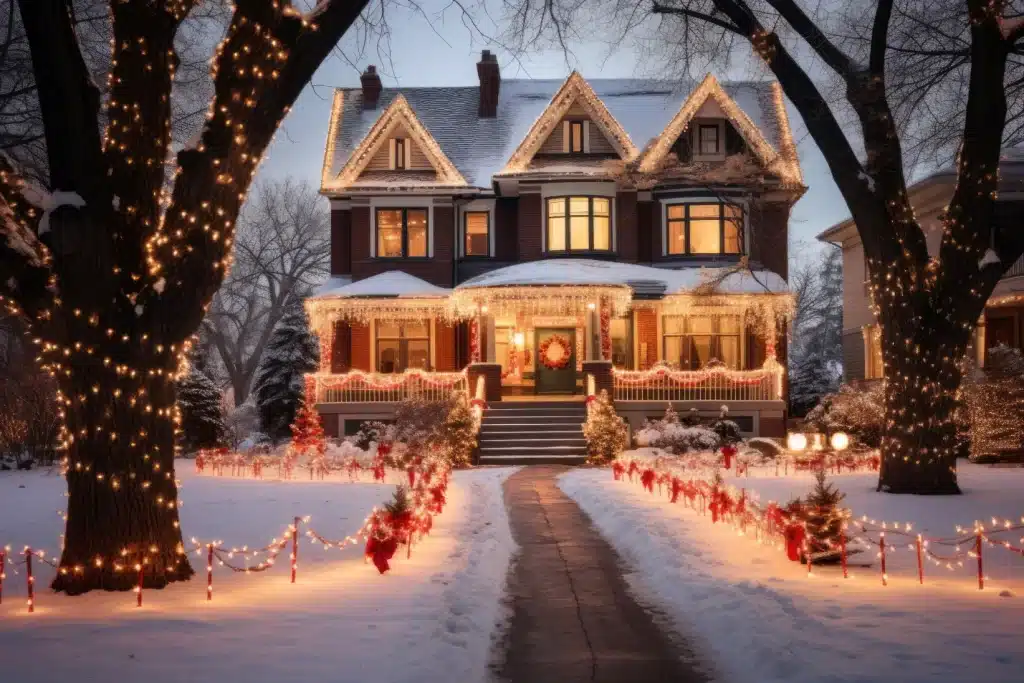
(823,518)
(671,416)
(994,402)
(457,434)
(308,439)
(606,432)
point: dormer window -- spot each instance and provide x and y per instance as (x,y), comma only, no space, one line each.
(398,159)
(709,139)
(575,137)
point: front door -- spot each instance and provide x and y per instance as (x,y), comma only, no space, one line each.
(555,369)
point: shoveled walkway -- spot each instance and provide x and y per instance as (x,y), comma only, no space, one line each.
(573,619)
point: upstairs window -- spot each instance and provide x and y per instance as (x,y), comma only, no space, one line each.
(478,237)
(691,342)
(579,224)
(401,346)
(576,136)
(703,229)
(400,154)
(401,233)
(709,142)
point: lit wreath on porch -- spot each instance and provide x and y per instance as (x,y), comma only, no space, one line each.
(554,352)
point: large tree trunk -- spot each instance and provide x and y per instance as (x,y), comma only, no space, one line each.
(920,445)
(122,496)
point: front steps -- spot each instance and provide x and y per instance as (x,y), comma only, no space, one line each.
(533,433)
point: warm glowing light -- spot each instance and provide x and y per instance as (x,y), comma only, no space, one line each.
(840,441)
(796,442)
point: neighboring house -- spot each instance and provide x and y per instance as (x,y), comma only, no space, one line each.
(1003,320)
(535,233)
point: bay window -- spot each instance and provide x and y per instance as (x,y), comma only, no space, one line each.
(691,342)
(401,233)
(703,229)
(400,346)
(579,224)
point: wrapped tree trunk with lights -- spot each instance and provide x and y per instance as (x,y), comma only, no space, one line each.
(113,270)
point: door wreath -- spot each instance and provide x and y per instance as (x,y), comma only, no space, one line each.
(554,352)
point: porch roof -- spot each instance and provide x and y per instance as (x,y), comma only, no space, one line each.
(591,272)
(393,295)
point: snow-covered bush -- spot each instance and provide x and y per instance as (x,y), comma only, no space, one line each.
(765,446)
(856,411)
(678,435)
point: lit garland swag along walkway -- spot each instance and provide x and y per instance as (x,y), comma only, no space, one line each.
(573,619)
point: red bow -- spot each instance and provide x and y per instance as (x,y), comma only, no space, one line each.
(677,487)
(647,479)
(727,452)
(617,470)
(380,551)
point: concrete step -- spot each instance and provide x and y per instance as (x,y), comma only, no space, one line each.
(524,427)
(531,440)
(525,459)
(581,411)
(533,450)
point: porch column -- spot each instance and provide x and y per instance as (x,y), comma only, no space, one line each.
(490,355)
(591,330)
(979,342)
(605,320)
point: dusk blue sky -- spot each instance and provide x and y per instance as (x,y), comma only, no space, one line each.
(444,52)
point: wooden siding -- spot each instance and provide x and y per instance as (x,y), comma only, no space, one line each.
(853,355)
(437,270)
(599,144)
(769,239)
(341,353)
(380,162)
(506,229)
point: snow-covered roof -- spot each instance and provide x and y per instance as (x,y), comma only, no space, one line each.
(392,284)
(480,147)
(560,272)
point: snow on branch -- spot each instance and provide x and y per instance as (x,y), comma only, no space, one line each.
(24,260)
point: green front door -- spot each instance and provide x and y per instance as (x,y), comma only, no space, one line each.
(555,369)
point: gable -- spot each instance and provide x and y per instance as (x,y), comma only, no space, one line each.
(574,101)
(416,158)
(373,153)
(710,101)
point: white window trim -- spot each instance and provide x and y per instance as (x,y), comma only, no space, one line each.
(695,140)
(401,203)
(612,210)
(675,201)
(476,206)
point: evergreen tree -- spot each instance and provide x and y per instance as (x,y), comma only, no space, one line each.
(606,432)
(823,518)
(457,434)
(815,358)
(291,352)
(199,404)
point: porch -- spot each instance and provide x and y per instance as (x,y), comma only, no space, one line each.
(548,330)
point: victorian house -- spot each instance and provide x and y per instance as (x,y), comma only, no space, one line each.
(528,238)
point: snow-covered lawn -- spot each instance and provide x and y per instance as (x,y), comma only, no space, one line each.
(758,618)
(431,618)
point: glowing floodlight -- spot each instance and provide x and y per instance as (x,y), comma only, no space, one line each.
(796,442)
(840,441)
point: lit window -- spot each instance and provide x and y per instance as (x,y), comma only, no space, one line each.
(401,233)
(708,142)
(692,342)
(579,224)
(399,160)
(478,240)
(401,346)
(622,342)
(703,229)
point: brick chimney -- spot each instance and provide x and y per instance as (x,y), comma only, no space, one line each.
(371,87)
(490,84)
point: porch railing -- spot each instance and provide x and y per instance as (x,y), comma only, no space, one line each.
(379,387)
(663,383)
